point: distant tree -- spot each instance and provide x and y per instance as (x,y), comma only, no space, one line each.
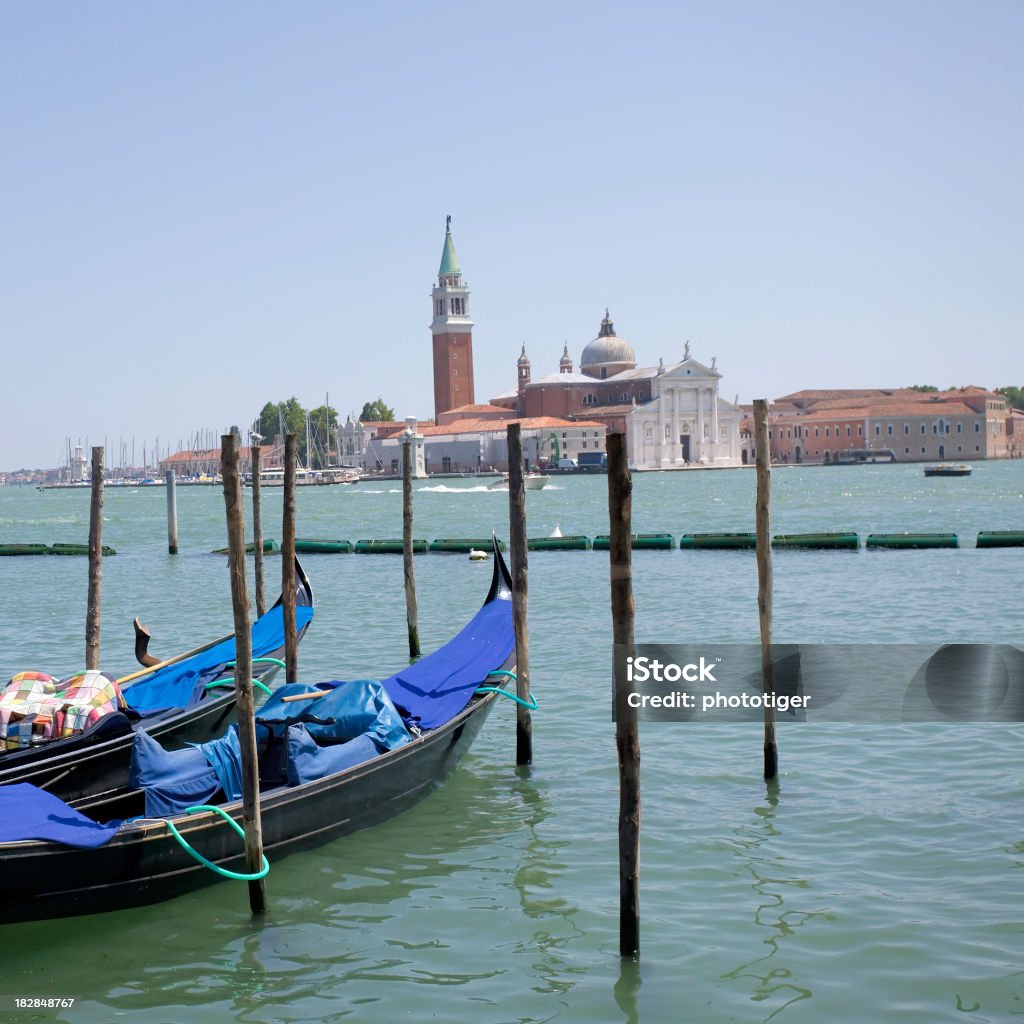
(376,412)
(1014,396)
(236,432)
(282,418)
(923,387)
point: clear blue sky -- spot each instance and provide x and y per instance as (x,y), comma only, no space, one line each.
(211,206)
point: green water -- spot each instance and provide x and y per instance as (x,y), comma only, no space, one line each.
(877,881)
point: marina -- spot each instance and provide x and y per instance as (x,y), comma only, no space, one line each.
(498,890)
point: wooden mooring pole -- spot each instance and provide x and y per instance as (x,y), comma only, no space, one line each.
(92,609)
(246,709)
(172,513)
(517,554)
(257,530)
(411,609)
(627,736)
(288,583)
(764,579)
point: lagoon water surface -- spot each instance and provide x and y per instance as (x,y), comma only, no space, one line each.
(879,880)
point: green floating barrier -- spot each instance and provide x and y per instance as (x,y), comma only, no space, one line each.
(76,549)
(54,549)
(24,549)
(1001,539)
(388,547)
(639,541)
(718,541)
(315,546)
(463,545)
(576,542)
(268,546)
(829,541)
(912,540)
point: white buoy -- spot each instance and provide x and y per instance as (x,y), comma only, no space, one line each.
(556,532)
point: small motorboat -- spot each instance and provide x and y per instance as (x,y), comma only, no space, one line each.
(948,469)
(531,481)
(478,556)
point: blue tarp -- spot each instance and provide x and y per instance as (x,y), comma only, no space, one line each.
(172,779)
(349,724)
(181,685)
(343,712)
(27,812)
(436,689)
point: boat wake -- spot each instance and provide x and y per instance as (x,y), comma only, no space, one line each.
(445,489)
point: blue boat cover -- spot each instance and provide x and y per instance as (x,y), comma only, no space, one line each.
(347,725)
(181,685)
(434,690)
(171,779)
(343,712)
(27,812)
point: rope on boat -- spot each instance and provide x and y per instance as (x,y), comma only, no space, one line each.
(228,682)
(224,872)
(532,705)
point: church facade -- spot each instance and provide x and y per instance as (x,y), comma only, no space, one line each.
(673,416)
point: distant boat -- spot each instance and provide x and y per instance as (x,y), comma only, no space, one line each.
(948,469)
(531,481)
(308,477)
(862,457)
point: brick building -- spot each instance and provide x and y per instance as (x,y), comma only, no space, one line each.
(916,426)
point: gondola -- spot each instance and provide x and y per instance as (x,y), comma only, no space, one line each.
(441,704)
(178,700)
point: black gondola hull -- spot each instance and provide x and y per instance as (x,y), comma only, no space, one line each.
(145,864)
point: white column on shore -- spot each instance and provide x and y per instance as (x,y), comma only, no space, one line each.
(677,450)
(714,420)
(700,424)
(660,449)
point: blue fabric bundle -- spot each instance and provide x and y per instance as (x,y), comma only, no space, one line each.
(347,725)
(28,812)
(171,779)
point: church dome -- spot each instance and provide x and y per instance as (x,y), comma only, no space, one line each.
(607,354)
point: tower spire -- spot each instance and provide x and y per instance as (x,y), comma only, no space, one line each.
(452,332)
(449,262)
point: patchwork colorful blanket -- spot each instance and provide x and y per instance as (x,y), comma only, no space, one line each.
(36,708)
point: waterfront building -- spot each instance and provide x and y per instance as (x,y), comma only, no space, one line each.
(817,426)
(192,464)
(476,445)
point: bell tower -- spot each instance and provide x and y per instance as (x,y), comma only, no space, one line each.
(452,332)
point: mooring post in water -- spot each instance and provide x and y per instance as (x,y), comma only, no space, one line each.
(172,513)
(764,579)
(246,709)
(627,736)
(257,529)
(411,610)
(92,611)
(517,554)
(288,583)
